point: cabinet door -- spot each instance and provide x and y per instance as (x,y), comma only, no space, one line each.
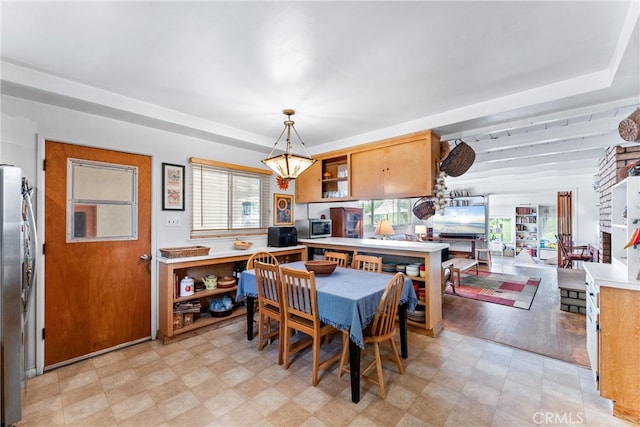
(408,170)
(309,184)
(619,368)
(367,174)
(399,170)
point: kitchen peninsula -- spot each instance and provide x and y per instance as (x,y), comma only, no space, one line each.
(426,252)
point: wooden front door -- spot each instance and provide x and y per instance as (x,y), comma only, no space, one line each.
(97,289)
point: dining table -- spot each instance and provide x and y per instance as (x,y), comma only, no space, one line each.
(348,300)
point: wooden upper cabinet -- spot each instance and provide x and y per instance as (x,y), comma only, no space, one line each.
(309,184)
(405,167)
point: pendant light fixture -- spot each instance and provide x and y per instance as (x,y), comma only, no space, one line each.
(288,165)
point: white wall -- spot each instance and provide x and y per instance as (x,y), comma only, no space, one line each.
(24,126)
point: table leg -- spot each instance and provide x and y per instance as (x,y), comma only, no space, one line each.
(354,370)
(403,330)
(250,305)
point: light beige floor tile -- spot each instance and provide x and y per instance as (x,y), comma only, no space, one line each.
(85,408)
(226,402)
(133,405)
(383,412)
(289,414)
(198,376)
(150,417)
(341,411)
(102,418)
(77,380)
(81,393)
(116,394)
(242,416)
(157,378)
(313,422)
(312,399)
(119,379)
(236,375)
(268,401)
(167,390)
(178,404)
(42,407)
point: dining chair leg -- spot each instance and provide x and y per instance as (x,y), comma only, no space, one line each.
(316,361)
(260,331)
(280,343)
(345,354)
(396,356)
(376,348)
(286,345)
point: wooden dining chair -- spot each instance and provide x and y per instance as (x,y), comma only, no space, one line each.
(301,314)
(367,263)
(269,290)
(262,256)
(383,328)
(341,258)
(570,253)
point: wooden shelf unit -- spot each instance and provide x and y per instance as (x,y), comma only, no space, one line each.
(526,229)
(625,209)
(197,268)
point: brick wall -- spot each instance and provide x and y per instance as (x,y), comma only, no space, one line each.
(615,159)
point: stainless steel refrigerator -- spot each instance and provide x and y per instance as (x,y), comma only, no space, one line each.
(17,266)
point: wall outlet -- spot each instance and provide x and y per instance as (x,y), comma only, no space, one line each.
(173,221)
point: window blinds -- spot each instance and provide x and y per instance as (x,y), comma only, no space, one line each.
(225,199)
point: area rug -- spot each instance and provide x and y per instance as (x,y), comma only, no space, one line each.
(498,288)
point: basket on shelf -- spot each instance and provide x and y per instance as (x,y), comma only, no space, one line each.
(184,252)
(424,208)
(459,159)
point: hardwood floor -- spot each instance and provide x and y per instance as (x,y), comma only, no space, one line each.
(543,329)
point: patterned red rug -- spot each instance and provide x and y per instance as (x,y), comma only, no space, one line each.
(498,288)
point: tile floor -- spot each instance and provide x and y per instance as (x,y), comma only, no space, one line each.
(217,377)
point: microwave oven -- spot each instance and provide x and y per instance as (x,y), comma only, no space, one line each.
(313,228)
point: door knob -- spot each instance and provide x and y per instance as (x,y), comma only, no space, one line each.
(145,257)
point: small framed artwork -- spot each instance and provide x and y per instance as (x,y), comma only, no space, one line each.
(282,209)
(172,187)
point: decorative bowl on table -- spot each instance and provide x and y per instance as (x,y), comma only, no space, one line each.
(321,267)
(241,244)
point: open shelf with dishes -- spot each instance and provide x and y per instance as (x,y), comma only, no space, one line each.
(625,221)
(182,310)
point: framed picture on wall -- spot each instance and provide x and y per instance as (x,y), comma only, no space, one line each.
(172,187)
(282,209)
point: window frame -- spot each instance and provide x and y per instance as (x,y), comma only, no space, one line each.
(231,170)
(369,214)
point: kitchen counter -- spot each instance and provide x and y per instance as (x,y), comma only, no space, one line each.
(428,253)
(611,276)
(229,253)
(401,245)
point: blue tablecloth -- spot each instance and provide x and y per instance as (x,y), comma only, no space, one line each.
(347,299)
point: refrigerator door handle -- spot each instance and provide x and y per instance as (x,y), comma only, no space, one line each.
(32,248)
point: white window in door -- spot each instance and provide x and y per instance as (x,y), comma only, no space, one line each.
(101,201)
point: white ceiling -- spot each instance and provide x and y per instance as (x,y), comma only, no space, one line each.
(526,83)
